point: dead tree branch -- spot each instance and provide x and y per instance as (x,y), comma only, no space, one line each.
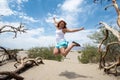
(107,49)
(115,5)
(115,65)
(102,60)
(114,32)
(11,75)
(117,10)
(22,66)
(99,48)
(15,30)
(108,46)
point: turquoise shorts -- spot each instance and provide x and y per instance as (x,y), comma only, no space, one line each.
(62,44)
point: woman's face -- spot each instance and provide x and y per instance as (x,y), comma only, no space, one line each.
(61,25)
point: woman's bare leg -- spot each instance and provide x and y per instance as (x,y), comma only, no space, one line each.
(56,51)
(64,51)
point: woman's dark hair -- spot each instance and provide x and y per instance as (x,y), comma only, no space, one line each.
(63,22)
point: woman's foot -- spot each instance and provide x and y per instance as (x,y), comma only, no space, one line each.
(76,44)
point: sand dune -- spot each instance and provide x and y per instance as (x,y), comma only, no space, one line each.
(69,69)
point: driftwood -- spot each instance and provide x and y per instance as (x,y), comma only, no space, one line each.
(102,56)
(116,33)
(10,75)
(115,65)
(21,66)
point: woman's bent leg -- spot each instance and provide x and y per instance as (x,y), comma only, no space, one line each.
(56,51)
(65,51)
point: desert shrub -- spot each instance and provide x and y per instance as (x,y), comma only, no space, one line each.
(89,55)
(79,51)
(43,52)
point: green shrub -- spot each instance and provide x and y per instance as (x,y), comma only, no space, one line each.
(89,55)
(79,51)
(44,52)
(83,60)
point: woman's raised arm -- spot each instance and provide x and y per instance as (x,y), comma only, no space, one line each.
(55,22)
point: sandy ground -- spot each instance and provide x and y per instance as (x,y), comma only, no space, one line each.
(69,69)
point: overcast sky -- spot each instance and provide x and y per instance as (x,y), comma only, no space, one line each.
(37,16)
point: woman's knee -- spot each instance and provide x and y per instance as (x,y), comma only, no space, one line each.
(56,52)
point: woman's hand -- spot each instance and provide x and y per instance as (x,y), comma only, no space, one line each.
(55,22)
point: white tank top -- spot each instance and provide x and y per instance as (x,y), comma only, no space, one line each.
(59,35)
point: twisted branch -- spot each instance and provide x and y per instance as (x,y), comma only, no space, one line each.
(100,51)
(9,28)
(102,62)
(21,66)
(114,32)
(31,61)
(105,38)
(115,65)
(107,49)
(11,75)
(115,5)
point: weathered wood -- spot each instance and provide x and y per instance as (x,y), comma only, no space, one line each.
(114,32)
(117,10)
(115,65)
(10,75)
(24,64)
(100,51)
(27,63)
(102,57)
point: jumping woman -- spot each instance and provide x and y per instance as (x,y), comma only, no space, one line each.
(61,43)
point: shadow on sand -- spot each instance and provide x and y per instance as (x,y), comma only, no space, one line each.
(72,75)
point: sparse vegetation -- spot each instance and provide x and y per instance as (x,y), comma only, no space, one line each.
(89,55)
(43,52)
(79,51)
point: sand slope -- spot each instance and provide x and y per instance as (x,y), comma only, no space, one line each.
(69,69)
